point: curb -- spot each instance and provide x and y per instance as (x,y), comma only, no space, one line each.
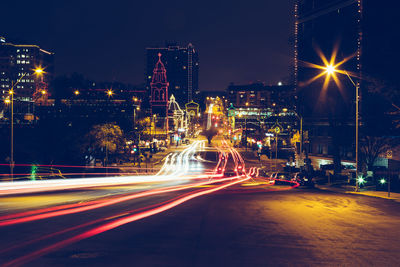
(337,190)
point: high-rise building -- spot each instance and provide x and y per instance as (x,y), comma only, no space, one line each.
(362,34)
(182,65)
(17,70)
(19,59)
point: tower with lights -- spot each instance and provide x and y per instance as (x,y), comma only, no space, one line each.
(159,90)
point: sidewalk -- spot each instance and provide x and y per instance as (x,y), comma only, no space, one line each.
(370,193)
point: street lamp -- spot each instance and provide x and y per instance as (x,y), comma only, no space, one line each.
(110,93)
(38,71)
(330,70)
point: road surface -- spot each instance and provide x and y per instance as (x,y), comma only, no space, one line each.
(242,221)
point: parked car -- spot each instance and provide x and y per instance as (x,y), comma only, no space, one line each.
(303,179)
(281,176)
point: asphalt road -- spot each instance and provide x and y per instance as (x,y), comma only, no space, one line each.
(248,224)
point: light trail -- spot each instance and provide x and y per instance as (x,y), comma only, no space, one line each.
(81,207)
(179,168)
(117,223)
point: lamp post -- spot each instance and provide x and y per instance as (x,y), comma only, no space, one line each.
(38,71)
(245,129)
(331,69)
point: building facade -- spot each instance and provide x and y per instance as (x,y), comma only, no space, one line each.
(159,90)
(18,63)
(259,95)
(17,59)
(182,65)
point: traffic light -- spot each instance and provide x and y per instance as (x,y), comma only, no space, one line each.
(134,149)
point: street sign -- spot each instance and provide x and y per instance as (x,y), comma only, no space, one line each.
(277,128)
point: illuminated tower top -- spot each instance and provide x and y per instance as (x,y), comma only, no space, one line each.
(159,72)
(159,83)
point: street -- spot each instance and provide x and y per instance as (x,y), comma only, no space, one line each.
(296,227)
(216,221)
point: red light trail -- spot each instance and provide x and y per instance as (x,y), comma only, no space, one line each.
(175,167)
(119,222)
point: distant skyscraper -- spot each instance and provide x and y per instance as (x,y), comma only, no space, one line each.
(182,66)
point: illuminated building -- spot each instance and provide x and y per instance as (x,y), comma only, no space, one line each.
(182,65)
(258,95)
(17,59)
(20,60)
(159,89)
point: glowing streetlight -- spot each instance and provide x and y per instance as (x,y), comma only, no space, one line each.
(110,93)
(76,92)
(39,71)
(7,101)
(382,181)
(43,92)
(330,69)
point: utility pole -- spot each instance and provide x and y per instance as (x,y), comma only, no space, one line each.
(356,134)
(276,152)
(301,138)
(12,132)
(245,126)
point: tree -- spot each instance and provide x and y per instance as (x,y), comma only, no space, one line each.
(386,97)
(389,91)
(210,133)
(371,147)
(105,140)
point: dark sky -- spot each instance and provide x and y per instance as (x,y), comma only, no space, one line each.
(237,41)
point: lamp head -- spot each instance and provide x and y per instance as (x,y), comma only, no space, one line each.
(330,69)
(39,71)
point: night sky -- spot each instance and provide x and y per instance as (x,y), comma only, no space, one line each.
(237,41)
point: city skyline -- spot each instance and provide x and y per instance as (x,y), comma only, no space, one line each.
(236,46)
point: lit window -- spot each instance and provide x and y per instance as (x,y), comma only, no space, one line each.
(22,55)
